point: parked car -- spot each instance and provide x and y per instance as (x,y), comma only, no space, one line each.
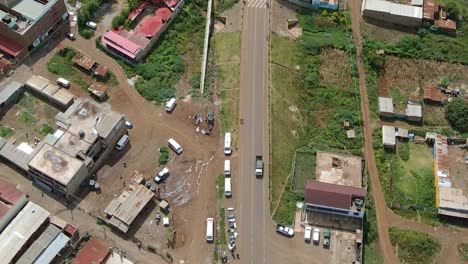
(308,233)
(316,236)
(70,36)
(326,237)
(91,24)
(285,230)
(128,124)
(162,175)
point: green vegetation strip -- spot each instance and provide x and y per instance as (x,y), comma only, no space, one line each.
(163,155)
(222,227)
(414,246)
(226,49)
(5,132)
(220,186)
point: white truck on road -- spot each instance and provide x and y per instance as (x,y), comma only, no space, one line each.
(258,166)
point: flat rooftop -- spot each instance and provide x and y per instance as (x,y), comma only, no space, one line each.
(339,169)
(56,164)
(71,144)
(20,230)
(33,9)
(93,119)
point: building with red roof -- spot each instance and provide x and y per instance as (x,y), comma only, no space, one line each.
(133,45)
(12,201)
(94,252)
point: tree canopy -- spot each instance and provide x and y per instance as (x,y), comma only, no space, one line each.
(457,114)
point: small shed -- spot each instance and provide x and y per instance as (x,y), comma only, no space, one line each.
(98,91)
(386,107)
(432,95)
(402,133)
(414,112)
(388,137)
(164,205)
(351,134)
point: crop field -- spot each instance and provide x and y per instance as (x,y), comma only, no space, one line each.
(304,169)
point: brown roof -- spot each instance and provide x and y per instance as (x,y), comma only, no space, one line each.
(446,24)
(433,94)
(94,252)
(429,9)
(98,87)
(101,70)
(9,196)
(84,61)
(332,195)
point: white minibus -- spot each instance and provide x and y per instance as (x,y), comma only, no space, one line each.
(227,144)
(62,82)
(227,168)
(209,229)
(175,146)
(227,187)
(170,105)
(122,142)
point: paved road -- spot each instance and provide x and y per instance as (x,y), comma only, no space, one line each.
(253,192)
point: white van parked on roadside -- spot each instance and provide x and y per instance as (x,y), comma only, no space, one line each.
(308,233)
(227,187)
(227,168)
(209,229)
(62,82)
(227,144)
(170,105)
(175,146)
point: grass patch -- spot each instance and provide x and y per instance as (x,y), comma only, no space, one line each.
(163,155)
(307,109)
(224,5)
(372,255)
(304,169)
(45,129)
(222,227)
(162,69)
(28,103)
(463,251)
(220,186)
(408,185)
(226,49)
(6,132)
(26,119)
(413,246)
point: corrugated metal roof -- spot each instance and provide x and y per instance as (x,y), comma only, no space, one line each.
(41,243)
(63,97)
(37,82)
(394,8)
(10,90)
(332,195)
(388,135)
(95,251)
(20,230)
(11,153)
(433,94)
(115,258)
(414,110)
(53,249)
(386,104)
(122,42)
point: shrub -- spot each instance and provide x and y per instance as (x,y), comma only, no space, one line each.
(117,21)
(457,114)
(404,151)
(85,32)
(163,155)
(5,132)
(45,129)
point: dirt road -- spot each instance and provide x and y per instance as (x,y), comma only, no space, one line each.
(380,206)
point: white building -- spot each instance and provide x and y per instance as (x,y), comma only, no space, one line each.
(394,13)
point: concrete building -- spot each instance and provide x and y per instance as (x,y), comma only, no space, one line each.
(9,95)
(392,12)
(88,133)
(122,210)
(386,107)
(414,112)
(450,180)
(330,200)
(12,201)
(22,230)
(388,137)
(25,24)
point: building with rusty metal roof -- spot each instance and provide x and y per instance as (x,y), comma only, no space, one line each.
(432,95)
(122,210)
(12,201)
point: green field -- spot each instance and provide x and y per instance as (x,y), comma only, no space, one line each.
(309,100)
(414,246)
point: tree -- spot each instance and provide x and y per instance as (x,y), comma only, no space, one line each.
(453,11)
(457,114)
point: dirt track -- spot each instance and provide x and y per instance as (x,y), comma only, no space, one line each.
(380,206)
